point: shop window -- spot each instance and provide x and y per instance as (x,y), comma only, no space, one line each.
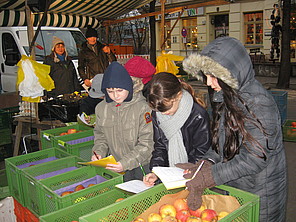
(253,28)
(191,39)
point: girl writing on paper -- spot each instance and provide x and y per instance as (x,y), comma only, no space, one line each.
(180,123)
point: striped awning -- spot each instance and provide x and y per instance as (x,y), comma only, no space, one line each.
(69,13)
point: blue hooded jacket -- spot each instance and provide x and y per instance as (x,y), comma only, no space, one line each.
(116,76)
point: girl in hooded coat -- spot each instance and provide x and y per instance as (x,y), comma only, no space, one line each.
(247,149)
(123,125)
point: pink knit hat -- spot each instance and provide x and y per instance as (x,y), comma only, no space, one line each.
(140,68)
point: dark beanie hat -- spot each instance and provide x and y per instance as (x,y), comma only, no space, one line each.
(116,76)
(90,32)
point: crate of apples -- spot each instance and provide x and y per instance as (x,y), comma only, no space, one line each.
(77,188)
(70,131)
(179,211)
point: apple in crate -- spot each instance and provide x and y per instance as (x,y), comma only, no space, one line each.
(222,214)
(180,204)
(182,215)
(154,217)
(169,219)
(193,219)
(209,215)
(119,199)
(71,131)
(167,210)
(139,219)
(66,193)
(79,187)
(197,213)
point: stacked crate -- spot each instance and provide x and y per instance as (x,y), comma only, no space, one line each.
(15,166)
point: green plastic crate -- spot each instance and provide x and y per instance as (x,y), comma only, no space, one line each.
(73,212)
(49,137)
(78,144)
(129,209)
(14,173)
(41,172)
(289,132)
(48,199)
(4,189)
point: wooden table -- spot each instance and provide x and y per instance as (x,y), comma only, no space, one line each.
(24,126)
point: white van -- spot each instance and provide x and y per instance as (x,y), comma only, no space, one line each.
(14,43)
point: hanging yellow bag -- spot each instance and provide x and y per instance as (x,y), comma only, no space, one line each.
(165,63)
(32,79)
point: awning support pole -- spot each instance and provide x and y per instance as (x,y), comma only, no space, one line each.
(166,38)
(162,23)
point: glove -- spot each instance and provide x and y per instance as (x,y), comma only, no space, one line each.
(196,185)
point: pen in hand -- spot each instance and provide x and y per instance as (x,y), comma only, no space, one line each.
(96,155)
(144,174)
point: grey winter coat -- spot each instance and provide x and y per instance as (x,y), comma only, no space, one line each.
(227,59)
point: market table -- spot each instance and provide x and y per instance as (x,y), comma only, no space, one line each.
(24,125)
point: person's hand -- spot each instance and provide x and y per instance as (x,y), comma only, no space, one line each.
(94,157)
(203,179)
(115,167)
(87,82)
(106,49)
(149,179)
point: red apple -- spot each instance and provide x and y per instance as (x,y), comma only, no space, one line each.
(182,215)
(193,219)
(167,210)
(154,217)
(66,193)
(91,184)
(62,134)
(180,204)
(209,215)
(70,131)
(197,212)
(79,187)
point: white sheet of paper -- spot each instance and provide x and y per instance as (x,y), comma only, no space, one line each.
(133,186)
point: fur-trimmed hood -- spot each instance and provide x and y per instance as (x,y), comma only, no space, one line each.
(225,58)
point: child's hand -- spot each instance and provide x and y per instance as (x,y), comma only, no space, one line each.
(149,179)
(94,157)
(115,167)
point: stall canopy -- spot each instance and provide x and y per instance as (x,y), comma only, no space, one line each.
(68,13)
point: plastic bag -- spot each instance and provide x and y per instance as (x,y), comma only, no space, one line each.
(165,63)
(32,79)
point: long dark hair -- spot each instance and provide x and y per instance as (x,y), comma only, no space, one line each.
(163,88)
(237,114)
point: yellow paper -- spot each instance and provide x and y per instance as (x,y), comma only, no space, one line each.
(102,162)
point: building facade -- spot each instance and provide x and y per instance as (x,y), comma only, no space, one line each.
(252,22)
